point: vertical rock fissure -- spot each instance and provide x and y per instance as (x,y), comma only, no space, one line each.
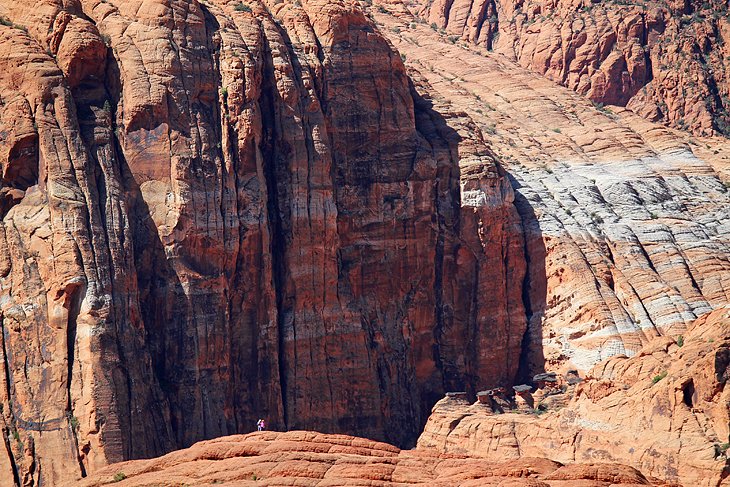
(472,348)
(524,372)
(277,241)
(74,304)
(215,44)
(6,431)
(438,288)
(11,457)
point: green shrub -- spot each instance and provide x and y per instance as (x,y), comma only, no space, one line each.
(242,7)
(119,476)
(680,340)
(659,377)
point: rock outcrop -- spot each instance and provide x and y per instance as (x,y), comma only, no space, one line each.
(224,210)
(312,459)
(664,411)
(625,221)
(665,60)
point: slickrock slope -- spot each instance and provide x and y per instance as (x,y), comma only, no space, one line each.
(665,60)
(664,411)
(218,211)
(626,221)
(310,459)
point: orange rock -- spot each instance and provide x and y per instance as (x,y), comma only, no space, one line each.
(663,412)
(309,459)
(665,62)
(214,212)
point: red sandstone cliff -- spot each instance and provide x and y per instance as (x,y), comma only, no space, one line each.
(625,220)
(664,60)
(215,212)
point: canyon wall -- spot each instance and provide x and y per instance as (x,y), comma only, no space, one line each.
(625,220)
(664,60)
(223,211)
(219,211)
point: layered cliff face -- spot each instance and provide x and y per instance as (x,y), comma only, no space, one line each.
(664,412)
(664,60)
(625,221)
(215,212)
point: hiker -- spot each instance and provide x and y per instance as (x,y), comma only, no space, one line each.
(261,424)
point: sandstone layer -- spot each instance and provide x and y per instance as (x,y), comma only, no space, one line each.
(625,221)
(664,411)
(665,60)
(309,459)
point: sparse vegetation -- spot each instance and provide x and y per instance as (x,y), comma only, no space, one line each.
(119,476)
(8,23)
(541,408)
(557,130)
(73,421)
(680,341)
(242,7)
(659,377)
(602,108)
(403,57)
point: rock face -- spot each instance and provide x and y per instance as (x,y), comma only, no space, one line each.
(312,459)
(625,221)
(216,212)
(664,60)
(663,411)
